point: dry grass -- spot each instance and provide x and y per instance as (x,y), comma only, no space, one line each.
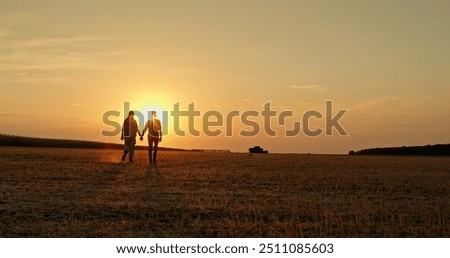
(87,193)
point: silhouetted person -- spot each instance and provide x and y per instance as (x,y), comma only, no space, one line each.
(129,130)
(153,126)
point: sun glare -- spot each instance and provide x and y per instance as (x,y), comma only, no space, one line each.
(146,103)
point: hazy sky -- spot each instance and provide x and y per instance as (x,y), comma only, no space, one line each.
(64,63)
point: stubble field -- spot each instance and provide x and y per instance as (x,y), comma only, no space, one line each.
(89,193)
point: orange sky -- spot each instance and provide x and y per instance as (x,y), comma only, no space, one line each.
(64,64)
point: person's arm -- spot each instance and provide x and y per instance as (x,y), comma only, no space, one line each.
(121,132)
(159,130)
(135,127)
(145,129)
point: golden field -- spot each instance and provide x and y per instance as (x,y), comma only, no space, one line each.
(88,193)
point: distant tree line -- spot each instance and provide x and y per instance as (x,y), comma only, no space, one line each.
(22,141)
(427,150)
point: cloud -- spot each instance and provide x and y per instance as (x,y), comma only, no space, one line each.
(55,53)
(406,105)
(21,115)
(307,86)
(4,33)
(50,42)
(34,79)
(22,51)
(18,19)
(42,59)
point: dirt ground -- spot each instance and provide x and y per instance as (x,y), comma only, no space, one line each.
(90,193)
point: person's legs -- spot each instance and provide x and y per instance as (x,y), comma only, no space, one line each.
(126,148)
(124,155)
(155,141)
(131,146)
(150,149)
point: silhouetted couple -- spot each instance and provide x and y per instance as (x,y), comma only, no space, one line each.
(130,130)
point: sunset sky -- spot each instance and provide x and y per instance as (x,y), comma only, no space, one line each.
(65,63)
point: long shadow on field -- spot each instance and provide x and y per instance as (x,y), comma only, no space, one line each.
(130,200)
(50,199)
(162,204)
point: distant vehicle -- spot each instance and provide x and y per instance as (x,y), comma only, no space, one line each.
(258,149)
